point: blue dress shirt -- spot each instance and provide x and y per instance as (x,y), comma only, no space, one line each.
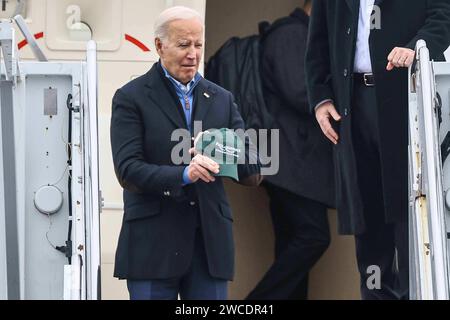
(186,95)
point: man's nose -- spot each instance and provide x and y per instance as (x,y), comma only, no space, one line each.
(191,53)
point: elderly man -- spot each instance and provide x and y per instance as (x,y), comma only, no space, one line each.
(357,79)
(176,236)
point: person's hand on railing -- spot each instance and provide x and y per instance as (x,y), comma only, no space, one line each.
(400,58)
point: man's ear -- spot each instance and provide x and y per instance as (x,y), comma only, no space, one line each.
(158,45)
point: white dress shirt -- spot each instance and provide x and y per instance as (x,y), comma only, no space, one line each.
(363,63)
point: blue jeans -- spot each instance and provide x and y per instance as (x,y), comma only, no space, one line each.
(196,284)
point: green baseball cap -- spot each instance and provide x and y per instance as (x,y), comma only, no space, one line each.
(223,146)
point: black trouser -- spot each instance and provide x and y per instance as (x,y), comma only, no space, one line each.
(301,237)
(382,245)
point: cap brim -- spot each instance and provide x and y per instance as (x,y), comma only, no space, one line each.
(228,170)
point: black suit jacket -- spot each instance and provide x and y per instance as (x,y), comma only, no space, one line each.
(306,166)
(329,70)
(161,216)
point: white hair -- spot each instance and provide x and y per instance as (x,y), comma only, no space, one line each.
(172,14)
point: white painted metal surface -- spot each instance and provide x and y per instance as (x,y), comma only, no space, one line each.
(428,236)
(58,254)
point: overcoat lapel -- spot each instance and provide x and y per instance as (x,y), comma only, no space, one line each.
(204,96)
(159,93)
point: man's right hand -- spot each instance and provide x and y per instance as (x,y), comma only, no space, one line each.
(201,168)
(323,114)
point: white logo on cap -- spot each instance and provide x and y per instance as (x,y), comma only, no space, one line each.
(228,150)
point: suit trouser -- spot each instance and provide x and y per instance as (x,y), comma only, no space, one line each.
(301,237)
(382,245)
(195,284)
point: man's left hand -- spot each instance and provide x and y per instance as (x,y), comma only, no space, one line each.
(400,58)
